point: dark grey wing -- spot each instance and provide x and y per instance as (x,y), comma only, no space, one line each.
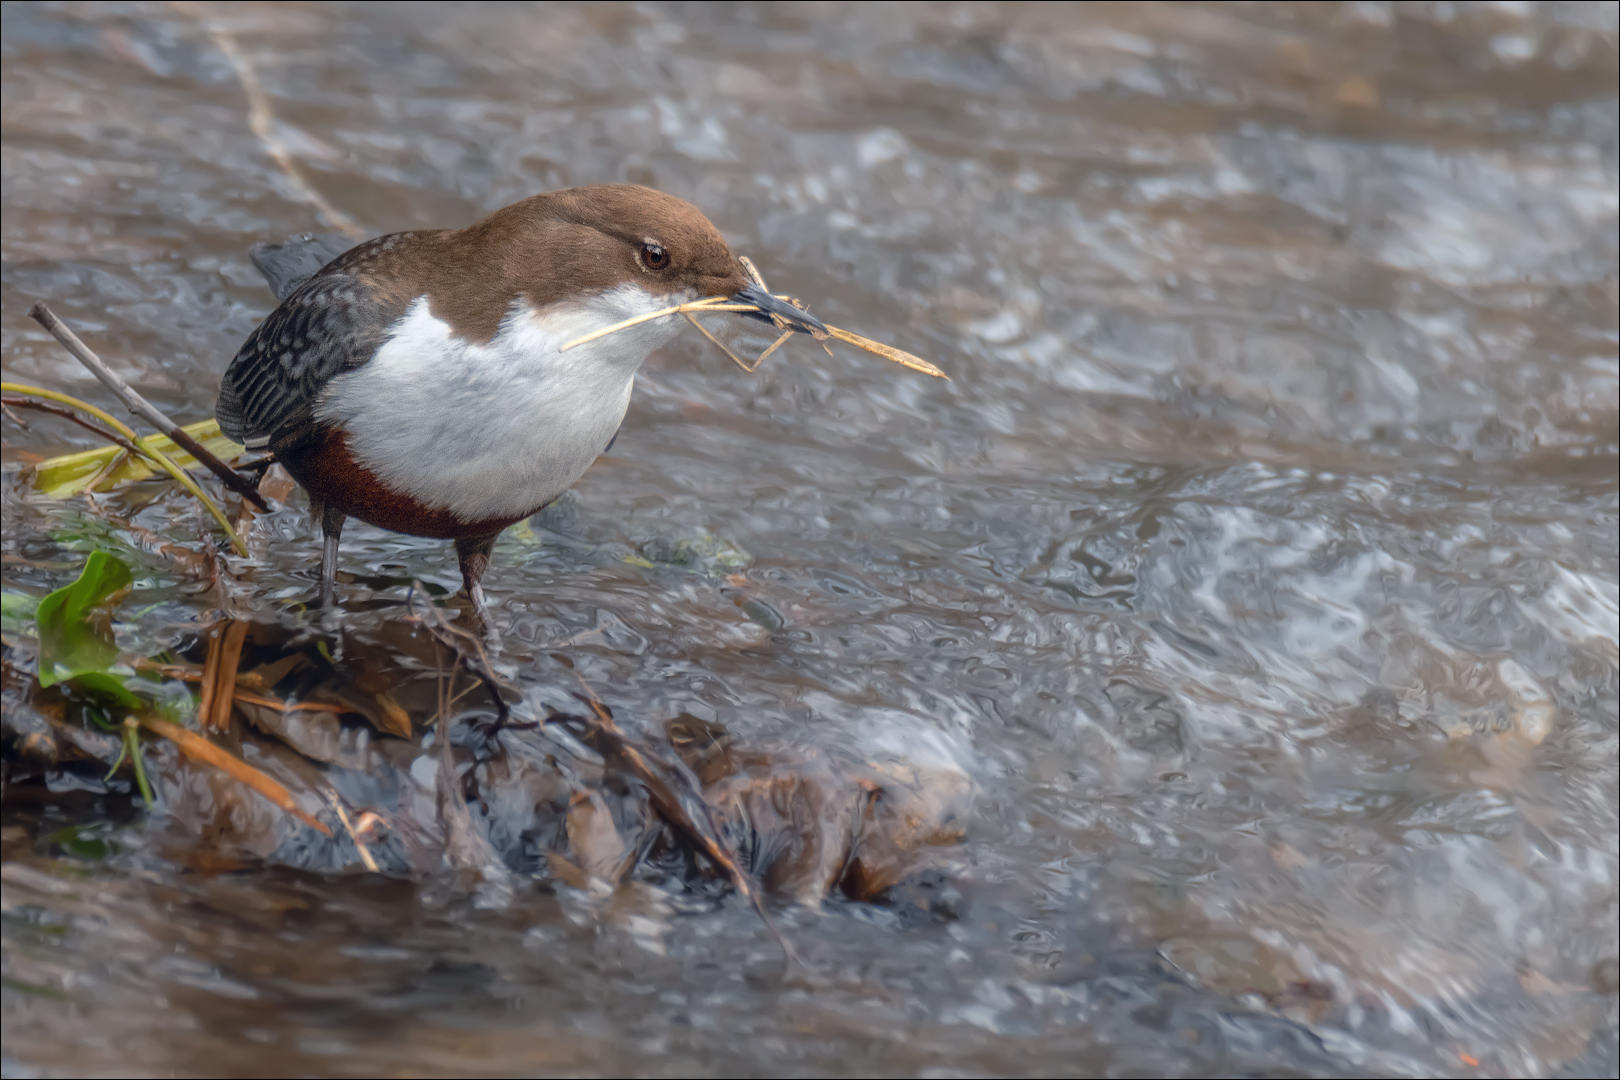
(331,324)
(287,266)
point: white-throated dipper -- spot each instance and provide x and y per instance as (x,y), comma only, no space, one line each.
(418,382)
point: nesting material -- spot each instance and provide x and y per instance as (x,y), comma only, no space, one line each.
(786,324)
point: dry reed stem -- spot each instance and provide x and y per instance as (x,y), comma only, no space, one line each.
(719,303)
(888,352)
(753,272)
(200,749)
(359,844)
(210,676)
(708,303)
(777,344)
(245,678)
(228,659)
(291,706)
(113,464)
(262,119)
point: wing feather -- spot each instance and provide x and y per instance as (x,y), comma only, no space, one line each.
(331,323)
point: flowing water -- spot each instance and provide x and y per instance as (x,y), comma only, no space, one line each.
(1249,595)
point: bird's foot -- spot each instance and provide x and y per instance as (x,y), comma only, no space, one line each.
(475,617)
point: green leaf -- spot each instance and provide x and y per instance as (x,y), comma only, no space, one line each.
(73,640)
(17,612)
(61,477)
(80,841)
(106,688)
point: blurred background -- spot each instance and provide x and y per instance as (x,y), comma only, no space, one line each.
(1257,570)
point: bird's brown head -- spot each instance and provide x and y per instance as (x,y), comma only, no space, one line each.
(598,237)
(664,244)
(582,242)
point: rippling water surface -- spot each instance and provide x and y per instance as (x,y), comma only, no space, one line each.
(1254,581)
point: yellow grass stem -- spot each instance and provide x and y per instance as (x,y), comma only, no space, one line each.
(888,352)
(719,303)
(735,359)
(708,303)
(197,748)
(157,456)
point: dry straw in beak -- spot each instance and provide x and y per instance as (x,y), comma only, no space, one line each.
(725,303)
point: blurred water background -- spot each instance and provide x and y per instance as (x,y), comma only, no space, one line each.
(1257,570)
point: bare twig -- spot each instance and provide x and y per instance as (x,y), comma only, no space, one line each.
(143,408)
(614,745)
(69,414)
(151,453)
(465,646)
(13,417)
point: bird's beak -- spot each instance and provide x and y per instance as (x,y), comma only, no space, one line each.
(778,313)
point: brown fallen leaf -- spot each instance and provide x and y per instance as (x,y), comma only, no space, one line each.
(703,745)
(276,484)
(802,826)
(593,839)
(390,717)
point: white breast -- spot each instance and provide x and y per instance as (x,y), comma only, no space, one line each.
(496,430)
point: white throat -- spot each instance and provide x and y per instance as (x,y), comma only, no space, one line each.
(496,430)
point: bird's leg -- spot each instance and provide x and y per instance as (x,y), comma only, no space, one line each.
(473,553)
(332,526)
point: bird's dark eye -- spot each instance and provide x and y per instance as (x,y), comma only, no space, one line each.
(653,256)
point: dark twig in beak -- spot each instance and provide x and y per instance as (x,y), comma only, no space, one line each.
(779,313)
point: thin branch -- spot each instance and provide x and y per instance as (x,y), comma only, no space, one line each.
(151,453)
(613,744)
(141,407)
(465,646)
(69,414)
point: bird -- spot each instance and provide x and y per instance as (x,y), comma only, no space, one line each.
(419,381)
